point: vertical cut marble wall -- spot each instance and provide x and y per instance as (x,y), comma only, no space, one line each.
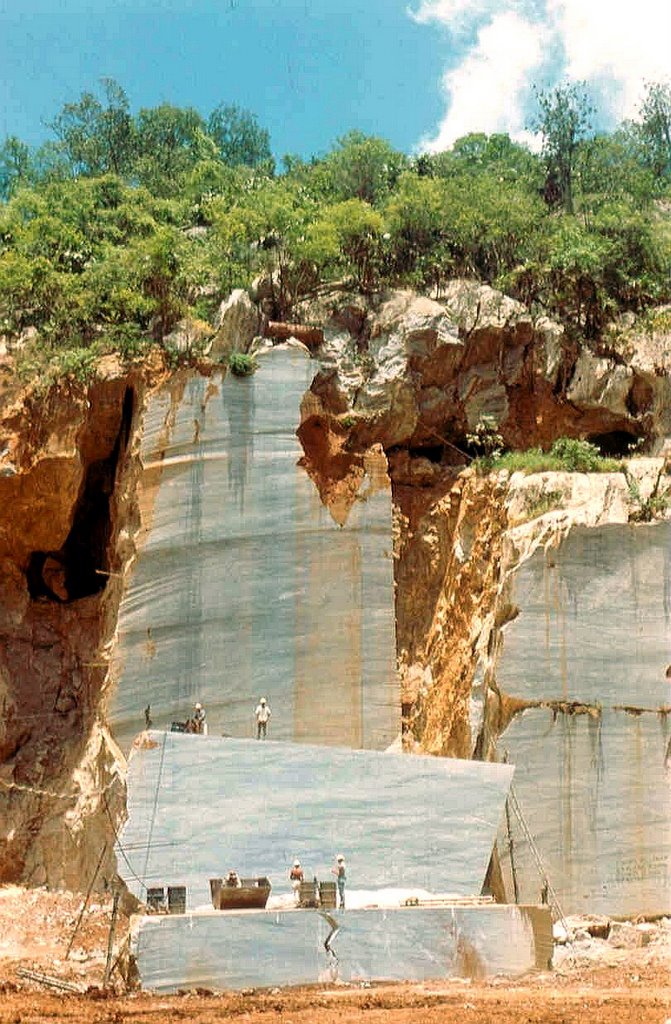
(595,626)
(244,586)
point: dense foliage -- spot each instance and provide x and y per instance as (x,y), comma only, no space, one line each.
(123,223)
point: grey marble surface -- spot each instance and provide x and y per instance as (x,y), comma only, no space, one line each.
(595,626)
(244,586)
(595,619)
(229,950)
(596,795)
(201,806)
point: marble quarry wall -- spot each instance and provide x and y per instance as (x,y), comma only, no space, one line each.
(244,585)
(201,806)
(591,645)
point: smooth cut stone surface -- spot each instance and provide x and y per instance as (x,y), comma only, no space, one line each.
(595,619)
(595,794)
(243,950)
(201,806)
(244,586)
(594,626)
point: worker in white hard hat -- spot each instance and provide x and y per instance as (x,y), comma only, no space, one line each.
(296,876)
(341,877)
(199,719)
(262,714)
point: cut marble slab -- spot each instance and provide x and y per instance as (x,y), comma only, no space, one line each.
(249,949)
(201,806)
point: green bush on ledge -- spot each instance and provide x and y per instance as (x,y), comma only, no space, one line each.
(242,365)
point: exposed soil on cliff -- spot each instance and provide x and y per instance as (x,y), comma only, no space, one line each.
(69,461)
(447,574)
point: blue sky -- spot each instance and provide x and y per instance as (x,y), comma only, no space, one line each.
(309,72)
(418,72)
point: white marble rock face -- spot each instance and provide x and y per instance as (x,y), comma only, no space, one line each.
(244,586)
(594,626)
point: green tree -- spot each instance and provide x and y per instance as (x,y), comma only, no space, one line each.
(655,128)
(585,269)
(613,167)
(346,237)
(421,248)
(495,154)
(569,275)
(15,166)
(363,167)
(156,264)
(225,258)
(97,137)
(51,163)
(29,288)
(171,141)
(563,120)
(239,137)
(465,224)
(278,218)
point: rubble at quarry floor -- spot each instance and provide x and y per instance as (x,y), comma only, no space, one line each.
(622,978)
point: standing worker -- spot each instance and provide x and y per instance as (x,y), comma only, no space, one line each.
(296,876)
(339,872)
(199,719)
(262,714)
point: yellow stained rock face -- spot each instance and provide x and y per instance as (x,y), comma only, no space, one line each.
(447,585)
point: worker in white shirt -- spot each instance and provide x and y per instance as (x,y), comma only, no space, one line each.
(262,715)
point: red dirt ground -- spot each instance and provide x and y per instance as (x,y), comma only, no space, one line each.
(36,926)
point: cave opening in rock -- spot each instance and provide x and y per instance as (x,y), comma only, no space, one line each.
(432,452)
(615,444)
(81,567)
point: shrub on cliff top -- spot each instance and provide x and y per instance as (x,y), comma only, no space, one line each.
(567,454)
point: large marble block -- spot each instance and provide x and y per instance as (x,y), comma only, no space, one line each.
(244,586)
(201,806)
(239,950)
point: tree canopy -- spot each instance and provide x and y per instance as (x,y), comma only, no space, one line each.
(122,222)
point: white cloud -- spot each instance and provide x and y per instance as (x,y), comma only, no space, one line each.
(627,43)
(455,14)
(486,91)
(614,45)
